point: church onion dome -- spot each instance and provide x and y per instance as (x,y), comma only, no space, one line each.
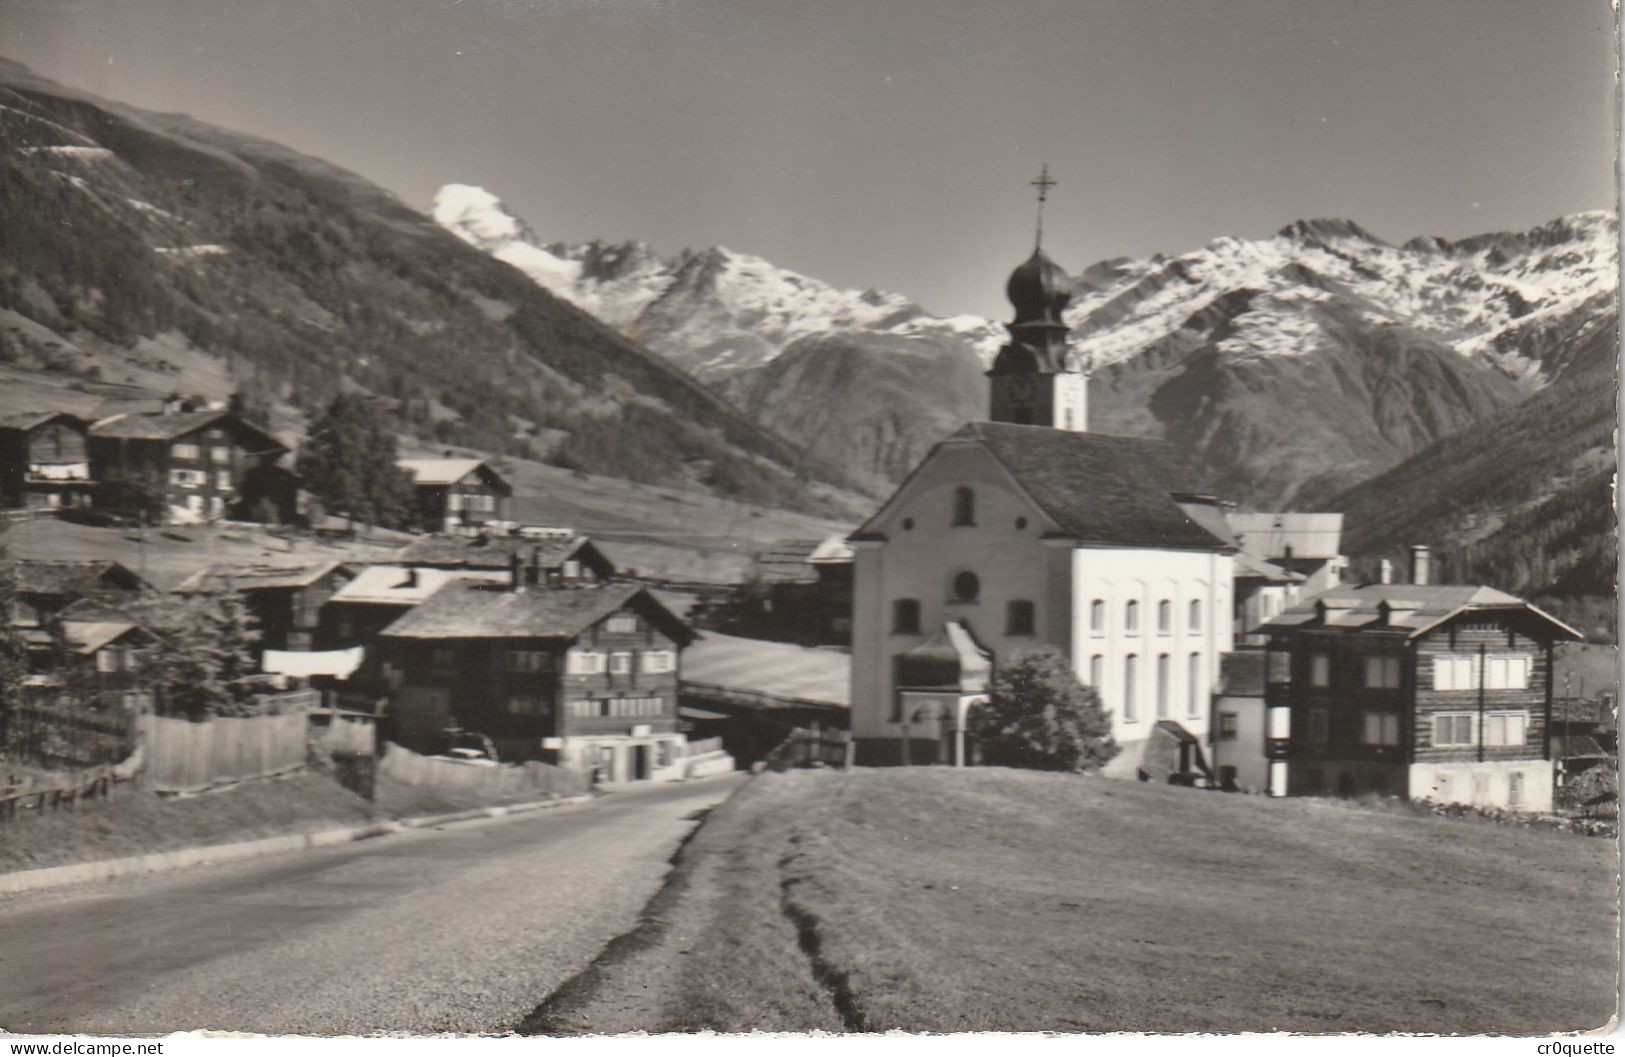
(1039,289)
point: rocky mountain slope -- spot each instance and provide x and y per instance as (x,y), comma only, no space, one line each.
(712,312)
(139,251)
(1291,368)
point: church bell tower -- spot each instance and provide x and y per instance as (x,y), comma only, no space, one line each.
(1036,380)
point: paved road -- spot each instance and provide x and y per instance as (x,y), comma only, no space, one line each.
(462,929)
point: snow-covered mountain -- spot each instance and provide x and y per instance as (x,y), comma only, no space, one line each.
(713,312)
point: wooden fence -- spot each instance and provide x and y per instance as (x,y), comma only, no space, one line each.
(182,756)
(483,779)
(812,748)
(66,735)
(64,790)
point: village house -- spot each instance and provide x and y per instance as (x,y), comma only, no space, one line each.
(562,560)
(1432,692)
(93,652)
(457,496)
(46,589)
(1030,531)
(287,600)
(45,461)
(379,595)
(806,592)
(583,677)
(200,462)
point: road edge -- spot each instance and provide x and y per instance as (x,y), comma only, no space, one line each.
(17,882)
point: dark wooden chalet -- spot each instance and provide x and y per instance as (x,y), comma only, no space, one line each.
(379,595)
(1435,692)
(202,462)
(45,589)
(570,561)
(457,496)
(806,592)
(92,657)
(287,600)
(45,461)
(586,677)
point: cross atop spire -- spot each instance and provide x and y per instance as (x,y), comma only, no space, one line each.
(1043,183)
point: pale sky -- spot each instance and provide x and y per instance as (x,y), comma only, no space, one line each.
(889,143)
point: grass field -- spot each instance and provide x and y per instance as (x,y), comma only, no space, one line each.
(936,900)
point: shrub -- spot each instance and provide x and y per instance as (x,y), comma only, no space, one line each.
(1039,717)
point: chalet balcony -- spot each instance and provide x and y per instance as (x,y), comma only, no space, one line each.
(57,472)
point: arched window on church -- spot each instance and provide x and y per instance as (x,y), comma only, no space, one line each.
(1196,614)
(1131,706)
(1097,616)
(1131,616)
(964,506)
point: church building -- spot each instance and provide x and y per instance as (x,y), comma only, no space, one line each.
(1028,531)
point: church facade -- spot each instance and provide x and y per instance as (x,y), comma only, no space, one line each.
(1030,531)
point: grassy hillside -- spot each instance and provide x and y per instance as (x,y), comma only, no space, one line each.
(132,243)
(987,900)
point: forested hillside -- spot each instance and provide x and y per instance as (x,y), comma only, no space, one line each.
(129,240)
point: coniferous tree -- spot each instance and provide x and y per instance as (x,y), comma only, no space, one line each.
(203,662)
(13,647)
(1038,716)
(348,463)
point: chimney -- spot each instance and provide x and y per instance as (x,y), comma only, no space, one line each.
(1420,563)
(535,575)
(1385,572)
(411,576)
(516,572)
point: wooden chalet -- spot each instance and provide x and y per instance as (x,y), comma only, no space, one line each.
(205,464)
(806,590)
(568,561)
(1433,692)
(583,677)
(287,600)
(457,496)
(380,595)
(45,461)
(93,653)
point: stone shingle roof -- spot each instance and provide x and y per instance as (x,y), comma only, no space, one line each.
(1289,533)
(1404,608)
(179,424)
(450,471)
(74,577)
(496,552)
(1097,487)
(256,577)
(474,609)
(27,420)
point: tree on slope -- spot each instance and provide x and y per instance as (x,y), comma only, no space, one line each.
(1038,716)
(204,661)
(348,463)
(13,647)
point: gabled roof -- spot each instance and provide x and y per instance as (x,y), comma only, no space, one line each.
(86,637)
(1408,609)
(496,552)
(1098,488)
(75,577)
(450,471)
(474,609)
(256,577)
(1288,533)
(785,562)
(137,426)
(1250,566)
(403,585)
(27,420)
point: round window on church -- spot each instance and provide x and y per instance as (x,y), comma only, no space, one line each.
(967,586)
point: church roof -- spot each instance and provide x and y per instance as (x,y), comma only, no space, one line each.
(1097,487)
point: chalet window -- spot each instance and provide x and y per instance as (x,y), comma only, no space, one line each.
(1097,671)
(1506,728)
(1381,728)
(967,587)
(1193,677)
(222,479)
(183,451)
(964,506)
(622,624)
(1319,726)
(1131,707)
(527,705)
(1165,616)
(1279,666)
(454,501)
(1097,616)
(528,661)
(1131,616)
(1320,669)
(1455,671)
(1229,726)
(1195,618)
(220,454)
(1382,671)
(905,616)
(1019,618)
(1452,728)
(188,478)
(1162,686)
(585,662)
(572,571)
(659,661)
(620,663)
(1506,673)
